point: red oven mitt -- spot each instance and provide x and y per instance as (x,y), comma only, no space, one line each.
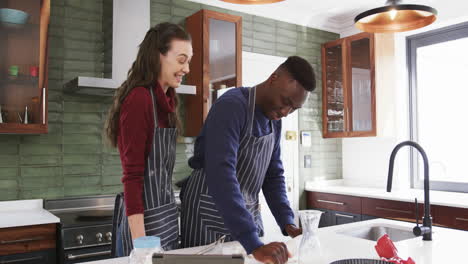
(388,252)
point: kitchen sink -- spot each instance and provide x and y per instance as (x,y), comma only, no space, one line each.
(373,233)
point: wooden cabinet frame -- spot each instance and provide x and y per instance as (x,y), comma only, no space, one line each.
(40,127)
(197,106)
(346,68)
(369,208)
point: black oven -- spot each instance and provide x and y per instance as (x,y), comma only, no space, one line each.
(85,227)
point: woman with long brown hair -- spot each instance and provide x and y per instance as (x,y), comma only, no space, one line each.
(143,123)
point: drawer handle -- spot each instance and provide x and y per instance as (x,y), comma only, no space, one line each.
(3,242)
(393,210)
(345,216)
(330,202)
(461,219)
(20,260)
(88,255)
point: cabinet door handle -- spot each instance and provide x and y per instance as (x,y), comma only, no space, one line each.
(393,210)
(43,105)
(88,255)
(20,260)
(345,216)
(346,121)
(330,202)
(461,219)
(3,242)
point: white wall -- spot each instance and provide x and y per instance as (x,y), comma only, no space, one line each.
(365,160)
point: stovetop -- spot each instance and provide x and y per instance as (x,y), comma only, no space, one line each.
(84,221)
(90,217)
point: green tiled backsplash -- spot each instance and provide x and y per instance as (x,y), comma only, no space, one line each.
(73,160)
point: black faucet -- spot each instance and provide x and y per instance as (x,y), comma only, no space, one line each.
(426,229)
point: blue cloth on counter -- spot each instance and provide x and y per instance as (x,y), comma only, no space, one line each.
(216,151)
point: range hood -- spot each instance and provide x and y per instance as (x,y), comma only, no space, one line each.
(131,21)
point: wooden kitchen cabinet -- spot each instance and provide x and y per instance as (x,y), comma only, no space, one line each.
(337,209)
(326,218)
(216,62)
(37,257)
(331,218)
(396,210)
(348,87)
(341,209)
(27,239)
(340,218)
(335,202)
(23,69)
(451,217)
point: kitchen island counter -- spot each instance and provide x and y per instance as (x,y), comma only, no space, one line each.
(448,245)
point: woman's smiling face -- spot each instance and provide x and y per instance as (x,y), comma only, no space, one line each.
(175,64)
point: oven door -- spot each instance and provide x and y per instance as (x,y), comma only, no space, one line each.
(79,255)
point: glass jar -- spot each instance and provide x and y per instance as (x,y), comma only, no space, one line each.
(143,250)
(309,248)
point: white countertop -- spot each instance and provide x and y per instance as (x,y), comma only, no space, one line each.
(436,197)
(448,245)
(24,213)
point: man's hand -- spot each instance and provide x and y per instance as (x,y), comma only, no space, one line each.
(293,231)
(273,253)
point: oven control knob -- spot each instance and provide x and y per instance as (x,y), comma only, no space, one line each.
(99,237)
(79,239)
(109,236)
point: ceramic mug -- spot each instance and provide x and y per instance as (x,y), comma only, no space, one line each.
(34,71)
(13,70)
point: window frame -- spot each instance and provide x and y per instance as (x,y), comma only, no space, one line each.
(414,42)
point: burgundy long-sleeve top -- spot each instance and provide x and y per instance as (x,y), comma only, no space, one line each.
(135,137)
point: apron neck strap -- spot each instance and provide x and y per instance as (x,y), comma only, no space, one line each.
(155,111)
(251,112)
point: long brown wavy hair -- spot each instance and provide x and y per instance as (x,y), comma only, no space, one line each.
(144,72)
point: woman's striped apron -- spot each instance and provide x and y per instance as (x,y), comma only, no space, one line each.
(161,214)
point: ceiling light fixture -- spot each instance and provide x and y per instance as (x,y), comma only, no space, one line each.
(395,17)
(252,2)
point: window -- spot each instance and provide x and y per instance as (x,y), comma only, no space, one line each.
(438,74)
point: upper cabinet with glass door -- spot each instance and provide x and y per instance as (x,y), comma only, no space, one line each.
(23,66)
(216,63)
(348,87)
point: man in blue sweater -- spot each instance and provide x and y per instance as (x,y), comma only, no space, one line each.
(236,155)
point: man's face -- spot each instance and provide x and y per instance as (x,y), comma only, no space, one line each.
(285,95)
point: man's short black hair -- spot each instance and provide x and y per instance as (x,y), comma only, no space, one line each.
(301,71)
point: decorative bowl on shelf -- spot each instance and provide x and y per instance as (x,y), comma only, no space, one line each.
(13,17)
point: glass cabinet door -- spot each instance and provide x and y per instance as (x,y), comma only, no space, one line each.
(361,86)
(222,57)
(334,89)
(216,63)
(348,89)
(23,63)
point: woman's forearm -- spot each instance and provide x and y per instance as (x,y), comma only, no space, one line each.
(137,225)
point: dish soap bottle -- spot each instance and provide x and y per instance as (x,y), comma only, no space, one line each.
(144,248)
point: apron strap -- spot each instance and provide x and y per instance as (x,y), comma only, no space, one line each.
(155,112)
(251,113)
(251,108)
